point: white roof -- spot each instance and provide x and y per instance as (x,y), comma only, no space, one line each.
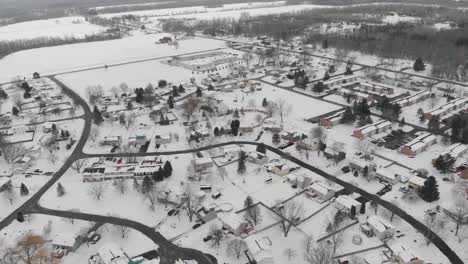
(320,188)
(379,223)
(387,174)
(256,244)
(416,180)
(404,252)
(231,219)
(64,239)
(110,252)
(202,161)
(146,169)
(423,138)
(347,201)
(455,150)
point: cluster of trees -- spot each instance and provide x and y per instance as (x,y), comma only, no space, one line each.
(445,163)
(389,110)
(459,130)
(29,249)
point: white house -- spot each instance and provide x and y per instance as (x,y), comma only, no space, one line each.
(416,182)
(382,229)
(344,203)
(162,139)
(62,244)
(259,249)
(320,191)
(201,164)
(109,253)
(404,255)
(387,176)
(234,223)
(112,140)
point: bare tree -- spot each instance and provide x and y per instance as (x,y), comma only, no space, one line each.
(320,254)
(366,147)
(434,223)
(152,196)
(12,152)
(97,190)
(284,108)
(124,88)
(319,132)
(131,151)
(459,214)
(78,164)
(122,230)
(461,188)
(28,247)
(462,234)
(290,253)
(336,238)
(10,195)
(191,202)
(289,215)
(121,185)
(216,234)
(94,133)
(189,106)
(236,247)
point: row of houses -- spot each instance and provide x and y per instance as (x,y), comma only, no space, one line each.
(413,99)
(92,174)
(418,144)
(371,129)
(456,151)
(446,109)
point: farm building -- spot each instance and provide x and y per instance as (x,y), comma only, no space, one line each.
(332,120)
(418,145)
(344,203)
(446,109)
(371,129)
(380,228)
(387,176)
(413,99)
(322,192)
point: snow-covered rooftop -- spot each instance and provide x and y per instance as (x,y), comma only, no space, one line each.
(378,223)
(110,253)
(64,239)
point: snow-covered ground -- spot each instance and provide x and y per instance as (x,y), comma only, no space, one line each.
(75,26)
(96,54)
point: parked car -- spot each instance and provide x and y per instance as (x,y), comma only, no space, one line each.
(384,190)
(94,237)
(207,238)
(345,169)
(197,225)
(171,212)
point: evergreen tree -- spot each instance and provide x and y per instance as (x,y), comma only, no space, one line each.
(430,191)
(261,148)
(27,94)
(60,190)
(241,163)
(216,132)
(181,89)
(235,127)
(3,94)
(445,163)
(167,169)
(14,111)
(419,65)
(348,116)
(325,44)
(139,95)
(402,121)
(97,116)
(162,83)
(352,212)
(210,87)
(175,92)
(264,102)
(276,138)
(198,92)
(248,202)
(363,208)
(170,101)
(161,174)
(348,71)
(327,76)
(24,190)
(434,124)
(146,185)
(318,87)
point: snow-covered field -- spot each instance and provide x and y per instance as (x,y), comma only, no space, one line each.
(74,26)
(96,54)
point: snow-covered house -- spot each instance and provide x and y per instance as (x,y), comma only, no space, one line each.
(445,109)
(109,253)
(371,129)
(290,136)
(257,157)
(234,223)
(259,249)
(278,168)
(382,229)
(162,139)
(47,127)
(320,191)
(331,120)
(419,144)
(112,140)
(416,182)
(344,203)
(357,164)
(5,183)
(22,161)
(387,176)
(404,255)
(331,153)
(201,164)
(62,244)
(455,150)
(413,99)
(139,138)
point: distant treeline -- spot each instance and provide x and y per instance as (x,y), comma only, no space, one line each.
(8,47)
(445,49)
